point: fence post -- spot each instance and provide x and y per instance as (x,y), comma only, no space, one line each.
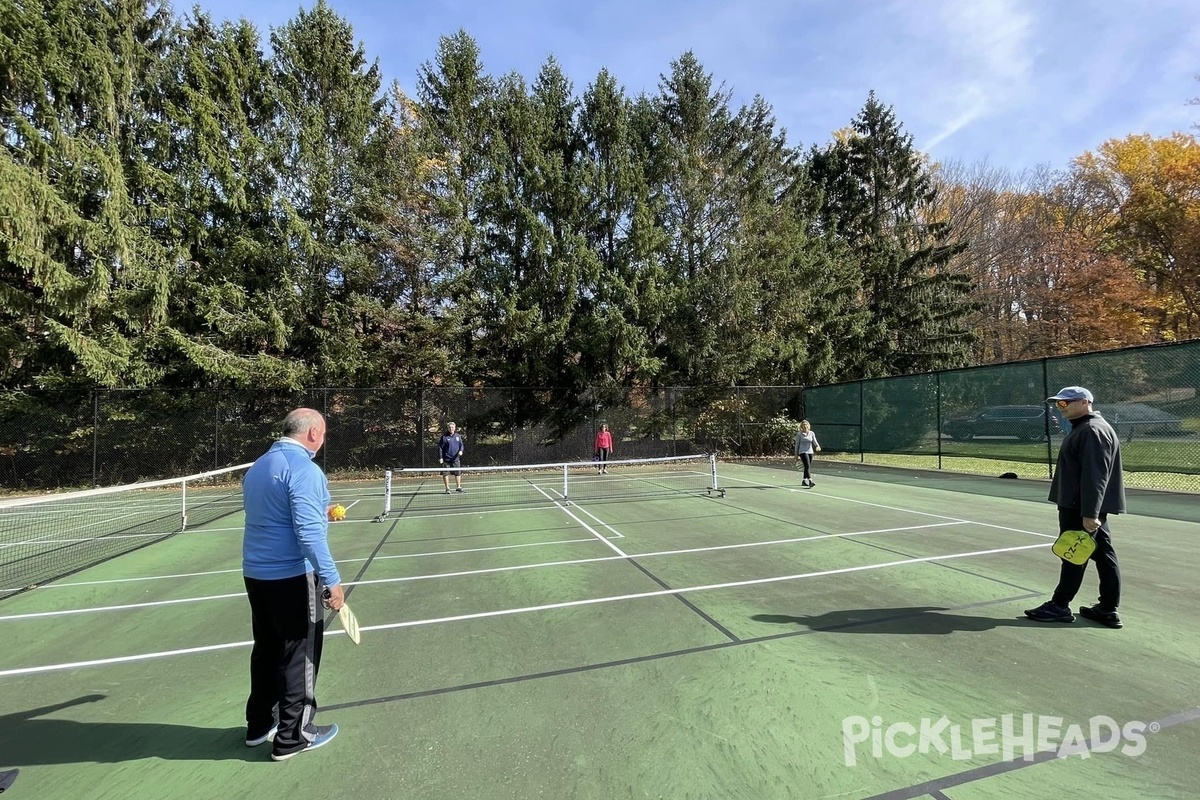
(325,414)
(421,423)
(95,434)
(1049,442)
(862,437)
(217,434)
(938,405)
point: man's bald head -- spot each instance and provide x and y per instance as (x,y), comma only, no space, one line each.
(306,426)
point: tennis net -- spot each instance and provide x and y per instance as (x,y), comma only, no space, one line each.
(437,488)
(47,537)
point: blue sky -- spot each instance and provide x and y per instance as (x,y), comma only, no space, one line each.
(1013,83)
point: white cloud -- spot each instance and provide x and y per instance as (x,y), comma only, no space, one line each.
(988,66)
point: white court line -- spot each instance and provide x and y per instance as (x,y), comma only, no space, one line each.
(615,533)
(512,568)
(529,609)
(586,527)
(84,526)
(150,604)
(336,561)
(149,535)
(895,508)
(639,556)
(398,519)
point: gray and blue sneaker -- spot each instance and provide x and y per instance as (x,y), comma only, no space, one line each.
(323,735)
(253,740)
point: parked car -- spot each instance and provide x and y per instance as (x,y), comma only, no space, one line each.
(1139,419)
(1023,422)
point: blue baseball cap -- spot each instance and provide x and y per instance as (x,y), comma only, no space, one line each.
(1072,393)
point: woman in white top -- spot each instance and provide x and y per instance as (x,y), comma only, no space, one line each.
(806,444)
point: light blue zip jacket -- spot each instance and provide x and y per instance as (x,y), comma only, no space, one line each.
(286,497)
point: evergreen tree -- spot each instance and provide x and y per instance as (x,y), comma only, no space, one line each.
(877,199)
(695,182)
(455,99)
(329,109)
(622,300)
(231,308)
(408,323)
(82,278)
(791,310)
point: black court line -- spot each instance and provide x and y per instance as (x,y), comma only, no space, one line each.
(938,796)
(624,662)
(667,492)
(480,535)
(332,614)
(964,571)
(727,633)
(329,620)
(934,787)
(862,541)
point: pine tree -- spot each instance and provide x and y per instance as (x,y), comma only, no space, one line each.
(694,179)
(82,277)
(407,321)
(621,302)
(231,309)
(877,198)
(455,98)
(329,109)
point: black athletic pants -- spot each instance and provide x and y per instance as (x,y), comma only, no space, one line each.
(1071,576)
(806,460)
(288,631)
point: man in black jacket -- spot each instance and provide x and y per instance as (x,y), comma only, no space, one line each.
(1087,487)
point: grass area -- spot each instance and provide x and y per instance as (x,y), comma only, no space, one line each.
(1138,455)
(1136,478)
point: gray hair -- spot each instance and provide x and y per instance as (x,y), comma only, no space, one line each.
(300,421)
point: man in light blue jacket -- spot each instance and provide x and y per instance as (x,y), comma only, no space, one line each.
(287,568)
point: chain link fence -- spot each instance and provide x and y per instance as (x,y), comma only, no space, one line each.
(982,419)
(995,418)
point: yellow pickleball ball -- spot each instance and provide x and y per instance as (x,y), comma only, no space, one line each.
(337,513)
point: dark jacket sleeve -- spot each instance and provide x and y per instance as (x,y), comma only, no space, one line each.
(1096,467)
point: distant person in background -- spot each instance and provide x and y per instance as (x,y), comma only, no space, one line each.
(450,450)
(285,563)
(604,448)
(806,445)
(1087,487)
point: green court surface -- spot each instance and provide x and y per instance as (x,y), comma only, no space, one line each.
(777,642)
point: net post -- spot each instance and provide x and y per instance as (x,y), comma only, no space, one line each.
(712,463)
(566,485)
(387,496)
(183,506)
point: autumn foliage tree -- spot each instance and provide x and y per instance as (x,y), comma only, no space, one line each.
(1145,193)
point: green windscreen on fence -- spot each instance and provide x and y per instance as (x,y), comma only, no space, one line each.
(973,417)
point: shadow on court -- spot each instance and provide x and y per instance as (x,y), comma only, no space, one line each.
(28,739)
(910,620)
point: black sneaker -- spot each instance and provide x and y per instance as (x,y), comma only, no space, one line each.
(460,489)
(1102,615)
(1049,612)
(322,735)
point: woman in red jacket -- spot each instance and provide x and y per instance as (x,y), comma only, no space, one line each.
(603,449)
